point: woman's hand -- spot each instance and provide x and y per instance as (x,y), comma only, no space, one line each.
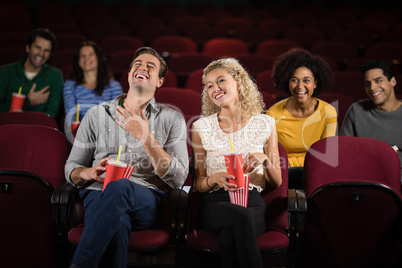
(251,161)
(222,180)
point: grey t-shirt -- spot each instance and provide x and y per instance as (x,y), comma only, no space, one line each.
(363,119)
(99,136)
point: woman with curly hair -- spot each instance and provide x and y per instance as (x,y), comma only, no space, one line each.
(91,82)
(232,109)
(301,119)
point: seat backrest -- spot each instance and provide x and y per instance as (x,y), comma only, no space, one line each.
(28,118)
(341,102)
(185,62)
(31,165)
(352,186)
(149,33)
(340,51)
(269,99)
(276,47)
(276,199)
(278,26)
(185,101)
(119,61)
(345,159)
(183,24)
(266,84)
(115,43)
(255,63)
(232,24)
(63,57)
(305,37)
(26,221)
(349,83)
(225,47)
(170,44)
(37,149)
(194,80)
(387,50)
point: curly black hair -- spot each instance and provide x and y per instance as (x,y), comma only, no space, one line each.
(376,64)
(104,74)
(288,62)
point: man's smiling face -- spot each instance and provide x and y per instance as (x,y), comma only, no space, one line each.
(378,87)
(144,73)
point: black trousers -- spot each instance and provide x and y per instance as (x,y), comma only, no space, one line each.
(295,178)
(238,227)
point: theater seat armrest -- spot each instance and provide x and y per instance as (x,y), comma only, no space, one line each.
(64,199)
(301,201)
(178,205)
(301,212)
(292,213)
(292,200)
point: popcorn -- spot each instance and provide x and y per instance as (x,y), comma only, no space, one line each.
(395,148)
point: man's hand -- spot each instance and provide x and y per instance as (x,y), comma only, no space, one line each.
(38,97)
(136,125)
(80,176)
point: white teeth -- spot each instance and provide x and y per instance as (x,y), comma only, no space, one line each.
(219,96)
(376,94)
(304,92)
(141,76)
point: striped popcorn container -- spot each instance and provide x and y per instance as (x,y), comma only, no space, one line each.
(240,197)
(117,170)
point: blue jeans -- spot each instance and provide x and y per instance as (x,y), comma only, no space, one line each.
(109,218)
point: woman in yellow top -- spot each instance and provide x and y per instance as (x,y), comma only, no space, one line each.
(301,119)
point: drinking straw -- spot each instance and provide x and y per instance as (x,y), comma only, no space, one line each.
(231,145)
(19,91)
(78,113)
(118,155)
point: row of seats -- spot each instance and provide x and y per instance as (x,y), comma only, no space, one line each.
(88,14)
(320,225)
(369,27)
(182,55)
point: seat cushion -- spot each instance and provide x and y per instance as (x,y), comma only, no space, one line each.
(209,241)
(203,240)
(140,240)
(272,240)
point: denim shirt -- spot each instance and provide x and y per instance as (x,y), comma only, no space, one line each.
(99,136)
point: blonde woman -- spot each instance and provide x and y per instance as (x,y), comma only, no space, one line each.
(232,108)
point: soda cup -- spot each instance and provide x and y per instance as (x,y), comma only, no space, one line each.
(114,171)
(17,101)
(234,167)
(240,196)
(74,127)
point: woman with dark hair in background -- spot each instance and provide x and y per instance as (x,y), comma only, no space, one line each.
(301,119)
(91,82)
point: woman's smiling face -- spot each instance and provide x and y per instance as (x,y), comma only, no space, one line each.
(302,84)
(222,87)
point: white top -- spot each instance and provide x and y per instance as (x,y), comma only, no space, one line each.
(250,139)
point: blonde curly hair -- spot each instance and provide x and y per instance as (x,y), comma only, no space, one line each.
(251,101)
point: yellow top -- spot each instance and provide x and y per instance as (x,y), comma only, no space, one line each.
(298,134)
